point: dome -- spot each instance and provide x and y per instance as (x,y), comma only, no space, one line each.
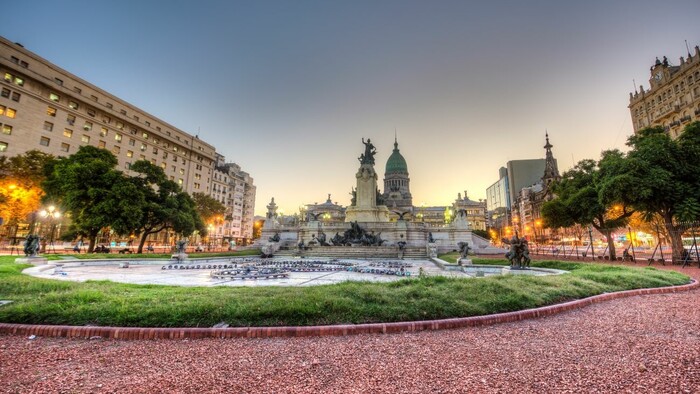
(396,163)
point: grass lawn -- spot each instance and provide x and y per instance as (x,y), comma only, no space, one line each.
(45,301)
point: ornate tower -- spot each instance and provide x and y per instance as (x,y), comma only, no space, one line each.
(397,192)
(551,172)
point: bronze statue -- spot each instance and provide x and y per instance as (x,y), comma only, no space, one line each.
(370,151)
(31,245)
(181,246)
(519,254)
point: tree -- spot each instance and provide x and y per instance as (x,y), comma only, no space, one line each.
(166,205)
(665,175)
(208,208)
(95,193)
(20,180)
(586,196)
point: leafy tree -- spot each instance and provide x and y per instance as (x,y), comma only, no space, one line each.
(662,178)
(586,196)
(95,193)
(208,208)
(20,180)
(166,205)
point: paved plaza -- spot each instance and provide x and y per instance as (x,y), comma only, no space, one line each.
(643,344)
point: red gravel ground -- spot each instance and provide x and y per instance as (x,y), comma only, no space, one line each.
(644,344)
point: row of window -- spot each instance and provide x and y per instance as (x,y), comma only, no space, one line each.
(19,62)
(7,93)
(11,78)
(9,112)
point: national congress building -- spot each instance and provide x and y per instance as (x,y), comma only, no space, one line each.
(46,108)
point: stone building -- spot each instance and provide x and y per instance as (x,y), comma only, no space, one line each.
(673,98)
(397,189)
(234,188)
(528,207)
(46,108)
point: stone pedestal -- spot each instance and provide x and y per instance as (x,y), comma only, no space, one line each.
(365,208)
(180,257)
(269,248)
(464,261)
(34,260)
(431,250)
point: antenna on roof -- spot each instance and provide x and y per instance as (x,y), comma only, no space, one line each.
(687,48)
(634,83)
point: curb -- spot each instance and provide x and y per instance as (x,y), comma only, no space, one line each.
(138,333)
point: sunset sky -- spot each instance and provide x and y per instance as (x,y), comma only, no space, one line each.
(287,89)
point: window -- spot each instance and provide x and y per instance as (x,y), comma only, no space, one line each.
(173,168)
(116,150)
(67,133)
(132,142)
(58,81)
(162,165)
(6,129)
(165,155)
(143,147)
(127,165)
(129,153)
(197,176)
(23,64)
(136,118)
(44,141)
(109,105)
(132,130)
(174,148)
(148,123)
(120,125)
(12,78)
(123,112)
(118,137)
(91,112)
(93,97)
(15,96)
(142,157)
(85,139)
(103,132)
(145,136)
(3,146)
(11,113)
(155,151)
(5,92)
(87,126)
(182,171)
(2,109)
(153,161)
(65,147)
(54,97)
(180,181)
(14,60)
(48,126)
(106,119)
(196,185)
(101,144)
(73,105)
(51,111)
(70,119)
(77,89)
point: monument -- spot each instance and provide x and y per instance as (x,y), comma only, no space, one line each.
(365,228)
(365,207)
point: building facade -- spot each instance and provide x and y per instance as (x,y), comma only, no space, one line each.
(673,97)
(46,108)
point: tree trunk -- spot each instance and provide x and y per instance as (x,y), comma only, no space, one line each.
(611,244)
(675,235)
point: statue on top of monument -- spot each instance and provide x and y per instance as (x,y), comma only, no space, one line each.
(370,151)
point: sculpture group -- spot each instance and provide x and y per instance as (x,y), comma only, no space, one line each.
(519,254)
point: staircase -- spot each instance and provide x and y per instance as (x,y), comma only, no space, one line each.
(353,252)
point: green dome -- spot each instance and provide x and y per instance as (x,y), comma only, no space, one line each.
(396,163)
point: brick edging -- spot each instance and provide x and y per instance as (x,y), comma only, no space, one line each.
(135,333)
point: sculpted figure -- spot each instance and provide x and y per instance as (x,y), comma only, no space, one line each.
(31,245)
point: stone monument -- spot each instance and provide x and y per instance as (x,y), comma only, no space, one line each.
(31,250)
(365,208)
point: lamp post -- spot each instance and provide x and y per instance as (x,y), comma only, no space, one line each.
(51,214)
(538,224)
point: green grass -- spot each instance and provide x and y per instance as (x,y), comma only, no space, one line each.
(45,301)
(248,252)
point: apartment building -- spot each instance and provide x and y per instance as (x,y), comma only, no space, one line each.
(46,108)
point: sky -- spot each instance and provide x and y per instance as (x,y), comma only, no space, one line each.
(287,89)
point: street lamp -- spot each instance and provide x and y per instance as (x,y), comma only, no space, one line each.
(51,214)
